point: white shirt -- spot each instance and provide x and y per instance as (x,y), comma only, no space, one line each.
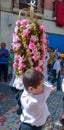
(57,66)
(35,110)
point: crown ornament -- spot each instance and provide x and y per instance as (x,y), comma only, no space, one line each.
(29,41)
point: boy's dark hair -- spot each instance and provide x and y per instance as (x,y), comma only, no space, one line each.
(32,78)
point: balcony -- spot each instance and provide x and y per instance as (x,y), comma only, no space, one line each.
(22,3)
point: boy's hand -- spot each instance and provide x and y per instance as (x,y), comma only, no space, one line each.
(54,89)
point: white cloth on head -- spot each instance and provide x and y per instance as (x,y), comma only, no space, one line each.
(13,78)
(18,83)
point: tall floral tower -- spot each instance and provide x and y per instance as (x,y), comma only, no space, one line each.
(29,41)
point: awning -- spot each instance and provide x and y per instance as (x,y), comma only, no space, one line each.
(56,41)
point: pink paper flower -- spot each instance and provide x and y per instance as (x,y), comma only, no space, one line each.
(34,38)
(44,40)
(31,46)
(21,65)
(26,32)
(17,57)
(15,38)
(14,65)
(28,26)
(23,22)
(21,59)
(16,46)
(35,57)
(42,27)
(18,22)
(38,68)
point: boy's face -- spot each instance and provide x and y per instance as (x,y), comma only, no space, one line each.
(38,90)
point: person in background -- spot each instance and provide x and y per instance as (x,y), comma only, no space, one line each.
(51,59)
(56,72)
(4,55)
(17,87)
(56,54)
(10,65)
(62,63)
(33,100)
(46,63)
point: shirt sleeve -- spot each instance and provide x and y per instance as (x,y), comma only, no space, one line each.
(47,90)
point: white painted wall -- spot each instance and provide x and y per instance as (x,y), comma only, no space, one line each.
(7,31)
(48,13)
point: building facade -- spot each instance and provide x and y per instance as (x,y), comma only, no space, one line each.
(8,19)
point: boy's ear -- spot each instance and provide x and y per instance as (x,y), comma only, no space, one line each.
(30,89)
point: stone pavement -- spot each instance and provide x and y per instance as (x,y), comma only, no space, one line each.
(11,121)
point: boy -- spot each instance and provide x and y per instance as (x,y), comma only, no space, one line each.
(33,100)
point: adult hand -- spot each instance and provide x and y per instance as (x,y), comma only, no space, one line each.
(1,53)
(54,89)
